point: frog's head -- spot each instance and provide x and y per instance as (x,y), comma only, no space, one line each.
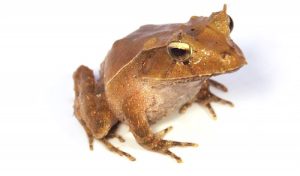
(201,47)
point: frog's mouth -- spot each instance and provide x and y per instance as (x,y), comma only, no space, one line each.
(190,78)
(178,80)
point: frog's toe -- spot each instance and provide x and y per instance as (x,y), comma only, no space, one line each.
(163,132)
(114,149)
(221,100)
(173,155)
(163,146)
(217,85)
(213,98)
(184,107)
(211,110)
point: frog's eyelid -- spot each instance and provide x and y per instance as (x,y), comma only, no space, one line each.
(179,45)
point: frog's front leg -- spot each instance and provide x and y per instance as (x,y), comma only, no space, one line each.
(92,111)
(136,118)
(205,97)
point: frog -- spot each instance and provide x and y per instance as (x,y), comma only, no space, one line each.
(152,72)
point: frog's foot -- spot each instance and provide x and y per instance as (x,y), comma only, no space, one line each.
(109,146)
(157,144)
(205,97)
(114,149)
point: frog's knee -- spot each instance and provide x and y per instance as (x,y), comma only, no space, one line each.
(83,80)
(101,128)
(82,73)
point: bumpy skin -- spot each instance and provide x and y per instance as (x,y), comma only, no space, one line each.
(141,82)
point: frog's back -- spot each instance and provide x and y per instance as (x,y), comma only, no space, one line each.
(125,50)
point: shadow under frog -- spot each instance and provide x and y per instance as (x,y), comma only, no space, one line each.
(153,71)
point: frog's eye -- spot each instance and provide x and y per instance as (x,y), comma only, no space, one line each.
(179,51)
(230,23)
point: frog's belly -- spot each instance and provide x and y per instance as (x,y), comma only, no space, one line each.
(166,98)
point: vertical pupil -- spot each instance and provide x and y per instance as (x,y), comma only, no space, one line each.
(176,52)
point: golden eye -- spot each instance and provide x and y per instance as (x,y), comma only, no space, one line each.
(179,51)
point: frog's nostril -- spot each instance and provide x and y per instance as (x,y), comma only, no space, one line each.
(224,55)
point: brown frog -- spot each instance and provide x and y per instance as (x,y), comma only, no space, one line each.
(152,72)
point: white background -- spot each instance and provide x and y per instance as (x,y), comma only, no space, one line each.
(43,42)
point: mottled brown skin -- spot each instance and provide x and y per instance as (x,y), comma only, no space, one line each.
(152,72)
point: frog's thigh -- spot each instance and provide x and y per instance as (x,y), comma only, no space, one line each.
(91,109)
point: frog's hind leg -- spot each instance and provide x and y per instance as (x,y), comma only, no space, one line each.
(89,135)
(112,134)
(92,110)
(205,97)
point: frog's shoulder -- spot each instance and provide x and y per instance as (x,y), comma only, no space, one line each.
(126,49)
